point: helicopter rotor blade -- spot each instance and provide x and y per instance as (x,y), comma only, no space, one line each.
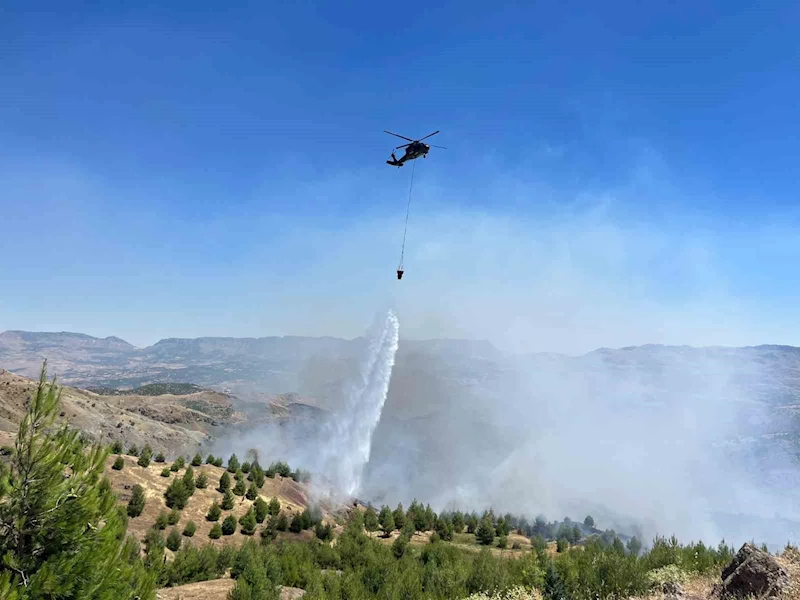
(429,135)
(432,146)
(403,146)
(400,136)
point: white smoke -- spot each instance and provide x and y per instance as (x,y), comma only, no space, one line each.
(346,438)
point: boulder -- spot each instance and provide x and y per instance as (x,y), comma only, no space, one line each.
(754,574)
(672,590)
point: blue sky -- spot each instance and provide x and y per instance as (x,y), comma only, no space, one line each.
(618,172)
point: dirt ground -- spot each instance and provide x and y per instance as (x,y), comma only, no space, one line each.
(217,589)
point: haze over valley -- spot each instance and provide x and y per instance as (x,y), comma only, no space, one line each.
(692,441)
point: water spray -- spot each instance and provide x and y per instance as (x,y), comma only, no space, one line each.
(348,434)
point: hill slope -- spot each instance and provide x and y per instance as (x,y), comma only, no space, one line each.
(169,423)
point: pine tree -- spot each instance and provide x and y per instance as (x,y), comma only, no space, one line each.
(118,464)
(214,512)
(399,546)
(160,458)
(589,521)
(634,546)
(165,472)
(216,532)
(233,464)
(136,503)
(239,488)
(173,517)
(574,535)
(370,519)
(386,519)
(458,522)
(323,532)
(305,520)
(399,517)
(253,582)
(133,450)
(554,588)
(201,482)
(485,532)
(472,523)
(444,528)
(227,500)
(62,536)
(197,460)
(261,509)
(274,506)
(224,483)
(116,447)
(248,522)
(229,525)
(218,461)
(282,524)
(210,459)
(296,525)
(257,476)
(146,456)
(252,492)
(190,529)
(188,480)
(179,463)
(154,550)
(162,520)
(502,527)
(174,540)
(176,494)
(245,467)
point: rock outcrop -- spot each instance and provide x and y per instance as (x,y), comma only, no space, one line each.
(754,574)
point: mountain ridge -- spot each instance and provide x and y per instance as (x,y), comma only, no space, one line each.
(48,335)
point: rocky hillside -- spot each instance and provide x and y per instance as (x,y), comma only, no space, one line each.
(169,423)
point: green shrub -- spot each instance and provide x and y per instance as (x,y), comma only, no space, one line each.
(118,464)
(174,540)
(137,501)
(190,529)
(162,520)
(214,512)
(229,525)
(146,456)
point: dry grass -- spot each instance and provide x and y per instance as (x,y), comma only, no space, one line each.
(216,589)
(789,559)
(163,422)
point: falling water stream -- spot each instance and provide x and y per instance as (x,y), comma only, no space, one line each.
(349,432)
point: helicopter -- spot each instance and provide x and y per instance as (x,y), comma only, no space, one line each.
(414,149)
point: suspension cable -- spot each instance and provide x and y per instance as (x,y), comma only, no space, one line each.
(408,210)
